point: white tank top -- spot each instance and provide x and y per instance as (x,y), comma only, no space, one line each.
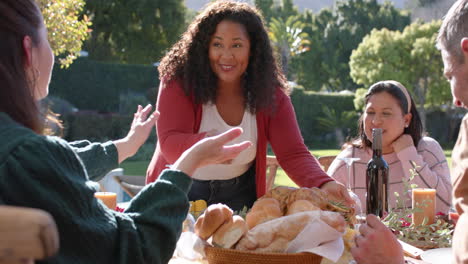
(211,119)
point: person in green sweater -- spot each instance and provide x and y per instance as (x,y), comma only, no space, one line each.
(48,173)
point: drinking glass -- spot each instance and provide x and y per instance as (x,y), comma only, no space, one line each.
(358,205)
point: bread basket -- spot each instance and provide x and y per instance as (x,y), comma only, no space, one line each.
(216,255)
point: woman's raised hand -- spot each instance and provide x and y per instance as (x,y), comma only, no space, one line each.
(211,150)
(139,132)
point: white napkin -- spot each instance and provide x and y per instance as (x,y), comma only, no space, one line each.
(318,238)
(190,247)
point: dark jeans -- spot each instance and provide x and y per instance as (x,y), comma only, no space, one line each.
(235,193)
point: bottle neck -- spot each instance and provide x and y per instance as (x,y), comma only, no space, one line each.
(377,153)
(377,142)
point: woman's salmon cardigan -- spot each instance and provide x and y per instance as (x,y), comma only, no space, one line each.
(179,122)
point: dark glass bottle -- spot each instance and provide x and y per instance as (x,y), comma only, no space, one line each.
(377,178)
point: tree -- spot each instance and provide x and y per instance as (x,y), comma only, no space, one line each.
(133,31)
(266,8)
(337,122)
(276,9)
(66,30)
(409,57)
(335,34)
(288,38)
(310,66)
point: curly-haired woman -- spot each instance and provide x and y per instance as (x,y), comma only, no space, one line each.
(221,74)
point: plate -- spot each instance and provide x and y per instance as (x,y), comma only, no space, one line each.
(437,255)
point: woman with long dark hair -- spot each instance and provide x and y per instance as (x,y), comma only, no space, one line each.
(222,73)
(50,174)
(388,105)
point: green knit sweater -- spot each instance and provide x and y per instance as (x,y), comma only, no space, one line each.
(47,173)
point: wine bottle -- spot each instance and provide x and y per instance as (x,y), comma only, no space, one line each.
(377,178)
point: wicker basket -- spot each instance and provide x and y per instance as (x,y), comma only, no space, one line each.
(230,256)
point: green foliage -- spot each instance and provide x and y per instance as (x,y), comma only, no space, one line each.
(133,31)
(66,31)
(335,34)
(98,86)
(309,108)
(438,234)
(266,8)
(132,167)
(276,9)
(288,39)
(359,99)
(409,57)
(426,2)
(337,121)
(130,100)
(95,127)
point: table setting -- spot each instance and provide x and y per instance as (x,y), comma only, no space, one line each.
(316,241)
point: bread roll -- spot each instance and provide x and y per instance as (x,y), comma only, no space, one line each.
(275,235)
(263,210)
(230,232)
(313,195)
(213,217)
(301,206)
(281,194)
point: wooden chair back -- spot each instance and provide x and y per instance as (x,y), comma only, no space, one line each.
(26,235)
(326,161)
(272,167)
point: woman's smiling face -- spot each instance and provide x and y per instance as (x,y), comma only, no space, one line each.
(383,111)
(229,51)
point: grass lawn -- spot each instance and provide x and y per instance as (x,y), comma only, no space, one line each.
(139,167)
(283,179)
(135,167)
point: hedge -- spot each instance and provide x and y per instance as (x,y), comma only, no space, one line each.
(91,85)
(309,106)
(100,127)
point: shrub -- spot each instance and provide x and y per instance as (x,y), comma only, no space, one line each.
(91,85)
(309,106)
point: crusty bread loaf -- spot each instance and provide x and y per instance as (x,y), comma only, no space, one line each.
(313,195)
(275,235)
(263,210)
(230,232)
(213,217)
(301,206)
(281,194)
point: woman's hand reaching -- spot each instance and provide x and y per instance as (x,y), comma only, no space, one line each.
(211,150)
(338,191)
(139,132)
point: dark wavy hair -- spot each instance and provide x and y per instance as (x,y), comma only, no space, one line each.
(18,18)
(188,59)
(415,127)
